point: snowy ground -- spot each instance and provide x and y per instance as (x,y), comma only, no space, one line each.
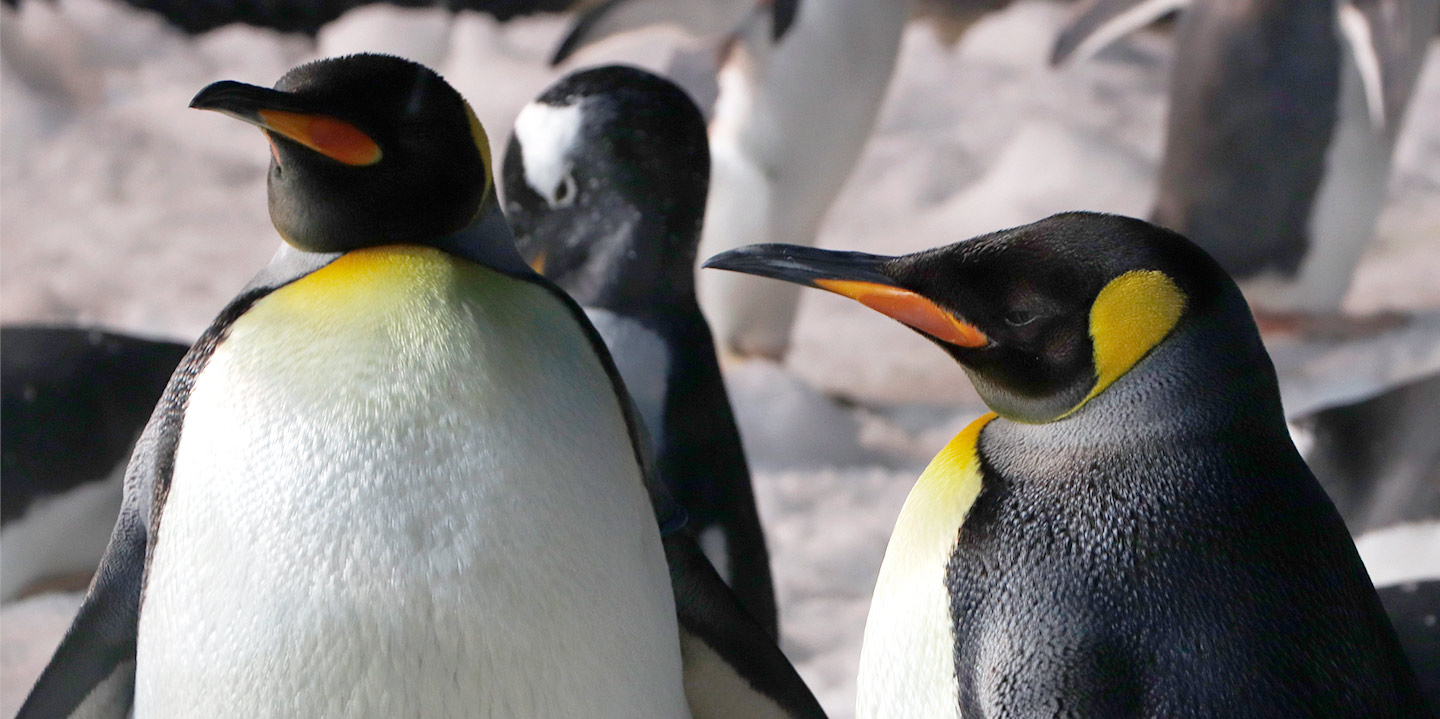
(120,206)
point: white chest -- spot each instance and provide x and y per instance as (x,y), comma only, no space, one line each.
(426,505)
(907,662)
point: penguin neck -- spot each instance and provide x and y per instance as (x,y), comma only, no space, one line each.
(487,240)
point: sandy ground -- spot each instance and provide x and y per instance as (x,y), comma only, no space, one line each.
(120,206)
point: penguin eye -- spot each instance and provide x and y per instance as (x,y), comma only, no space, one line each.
(565,191)
(1020,318)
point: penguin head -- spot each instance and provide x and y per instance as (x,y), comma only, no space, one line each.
(1043,317)
(366,150)
(605,180)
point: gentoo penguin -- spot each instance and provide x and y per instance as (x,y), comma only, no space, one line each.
(1130,532)
(793,113)
(399,474)
(605,179)
(74,400)
(1282,122)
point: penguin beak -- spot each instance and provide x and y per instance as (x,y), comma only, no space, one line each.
(286,115)
(594,24)
(856,275)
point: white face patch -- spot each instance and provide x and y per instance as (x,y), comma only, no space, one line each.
(548,136)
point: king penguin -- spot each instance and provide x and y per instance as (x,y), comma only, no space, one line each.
(605,179)
(1130,532)
(74,401)
(399,475)
(1282,124)
(800,86)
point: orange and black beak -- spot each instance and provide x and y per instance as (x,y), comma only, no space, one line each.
(288,116)
(856,275)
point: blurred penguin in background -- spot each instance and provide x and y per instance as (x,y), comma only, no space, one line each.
(1282,124)
(1379,460)
(1378,457)
(800,85)
(605,180)
(74,401)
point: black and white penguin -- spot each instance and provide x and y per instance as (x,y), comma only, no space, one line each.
(1131,531)
(604,184)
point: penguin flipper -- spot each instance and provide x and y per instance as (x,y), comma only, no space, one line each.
(92,673)
(784,13)
(591,25)
(708,18)
(1095,24)
(1387,40)
(613,17)
(733,669)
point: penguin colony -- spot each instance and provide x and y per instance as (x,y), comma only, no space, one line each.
(363,491)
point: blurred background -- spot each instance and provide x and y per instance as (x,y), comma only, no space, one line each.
(121,208)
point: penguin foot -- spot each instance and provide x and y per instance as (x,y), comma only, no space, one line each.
(1326,326)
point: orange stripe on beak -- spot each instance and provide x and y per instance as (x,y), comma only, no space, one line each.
(910,308)
(335,139)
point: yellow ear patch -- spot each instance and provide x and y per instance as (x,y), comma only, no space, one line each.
(1131,315)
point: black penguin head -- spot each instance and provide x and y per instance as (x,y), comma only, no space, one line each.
(605,181)
(1043,317)
(366,150)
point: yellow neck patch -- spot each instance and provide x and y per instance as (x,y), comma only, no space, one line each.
(374,280)
(907,662)
(1131,315)
(943,494)
(482,141)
